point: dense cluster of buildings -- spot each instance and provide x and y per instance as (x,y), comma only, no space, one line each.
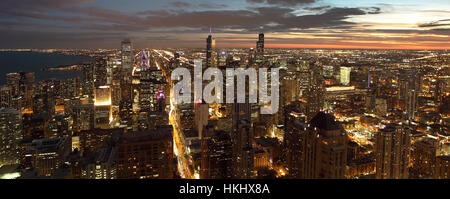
(381,114)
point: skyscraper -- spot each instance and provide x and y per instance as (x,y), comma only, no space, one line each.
(442,170)
(295,140)
(201,116)
(127,55)
(126,70)
(146,155)
(260,48)
(10,135)
(345,75)
(408,92)
(48,154)
(22,89)
(326,148)
(423,155)
(217,156)
(83,118)
(210,56)
(317,150)
(102,105)
(243,152)
(303,78)
(392,152)
(5,96)
(316,92)
(101,73)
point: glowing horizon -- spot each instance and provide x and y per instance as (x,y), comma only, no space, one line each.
(332,24)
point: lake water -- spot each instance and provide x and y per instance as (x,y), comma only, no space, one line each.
(35,61)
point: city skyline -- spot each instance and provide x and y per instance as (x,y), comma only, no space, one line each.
(181,23)
(180,90)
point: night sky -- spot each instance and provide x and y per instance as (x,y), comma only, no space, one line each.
(405,24)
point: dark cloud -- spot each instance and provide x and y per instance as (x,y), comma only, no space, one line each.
(374,10)
(185,5)
(83,22)
(269,18)
(180,4)
(212,6)
(251,20)
(283,2)
(439,23)
(39,5)
(36,39)
(317,8)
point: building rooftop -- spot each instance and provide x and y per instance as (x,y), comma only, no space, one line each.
(146,136)
(325,121)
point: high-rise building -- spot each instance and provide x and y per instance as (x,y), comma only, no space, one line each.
(260,48)
(295,140)
(217,156)
(83,118)
(60,125)
(243,151)
(115,66)
(127,55)
(146,155)
(345,75)
(328,71)
(102,105)
(408,93)
(126,87)
(317,150)
(22,85)
(48,154)
(93,139)
(151,87)
(6,96)
(201,116)
(224,59)
(101,72)
(87,85)
(325,148)
(442,167)
(303,78)
(423,156)
(211,57)
(316,92)
(126,113)
(392,152)
(100,164)
(12,80)
(10,135)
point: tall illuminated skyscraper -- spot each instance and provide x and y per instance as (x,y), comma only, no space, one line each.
(303,78)
(345,75)
(22,89)
(10,135)
(260,48)
(102,105)
(408,92)
(5,96)
(209,50)
(127,55)
(126,70)
(100,72)
(392,152)
(325,148)
(316,92)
